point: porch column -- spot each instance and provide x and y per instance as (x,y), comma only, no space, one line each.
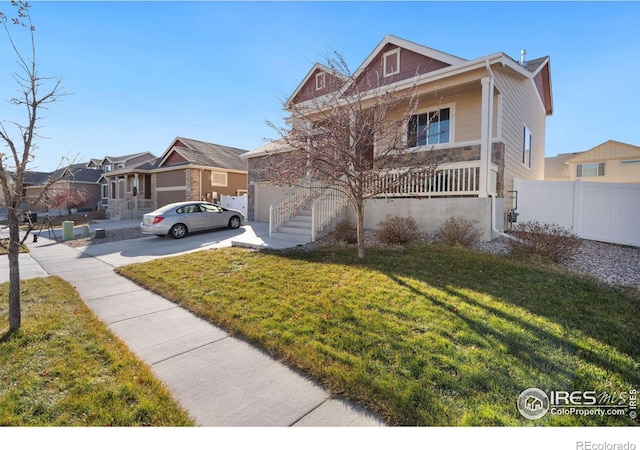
(135,199)
(485,137)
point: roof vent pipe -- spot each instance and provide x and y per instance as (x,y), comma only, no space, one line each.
(523,53)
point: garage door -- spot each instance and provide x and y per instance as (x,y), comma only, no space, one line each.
(266,194)
(166,197)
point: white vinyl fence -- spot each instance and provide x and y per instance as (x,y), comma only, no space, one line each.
(607,212)
(238,203)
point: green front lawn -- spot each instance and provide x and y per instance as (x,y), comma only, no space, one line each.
(431,335)
(64,368)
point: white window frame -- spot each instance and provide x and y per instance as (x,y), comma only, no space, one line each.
(527,146)
(392,70)
(452,115)
(597,166)
(320,81)
(218,182)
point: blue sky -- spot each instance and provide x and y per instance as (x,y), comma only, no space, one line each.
(142,73)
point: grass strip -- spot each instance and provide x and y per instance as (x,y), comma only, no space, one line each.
(64,368)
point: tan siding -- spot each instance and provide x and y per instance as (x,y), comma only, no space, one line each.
(172,178)
(521,106)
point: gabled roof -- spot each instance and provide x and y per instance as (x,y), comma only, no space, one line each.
(205,154)
(124,158)
(556,166)
(606,151)
(430,65)
(74,173)
(412,46)
(94,162)
(317,67)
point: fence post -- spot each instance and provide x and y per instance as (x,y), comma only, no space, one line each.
(577,206)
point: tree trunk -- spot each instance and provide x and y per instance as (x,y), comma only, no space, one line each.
(360,228)
(15,315)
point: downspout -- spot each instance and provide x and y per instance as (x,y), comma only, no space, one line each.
(490,192)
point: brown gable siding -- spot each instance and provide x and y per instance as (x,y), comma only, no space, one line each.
(411,64)
(309,91)
(180,144)
(543,90)
(174,158)
(172,178)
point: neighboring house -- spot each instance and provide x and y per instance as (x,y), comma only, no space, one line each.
(187,170)
(75,177)
(491,129)
(611,161)
(111,163)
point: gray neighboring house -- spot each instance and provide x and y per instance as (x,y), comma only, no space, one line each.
(76,177)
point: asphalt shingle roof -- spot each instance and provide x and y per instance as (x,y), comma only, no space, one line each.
(214,155)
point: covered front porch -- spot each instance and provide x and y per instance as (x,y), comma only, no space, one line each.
(128,195)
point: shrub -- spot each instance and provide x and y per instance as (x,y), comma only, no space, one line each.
(346,232)
(398,230)
(458,230)
(544,240)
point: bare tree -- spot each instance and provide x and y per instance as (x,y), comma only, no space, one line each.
(67,198)
(35,93)
(352,140)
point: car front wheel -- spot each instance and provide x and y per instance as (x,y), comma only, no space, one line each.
(234,222)
(178,231)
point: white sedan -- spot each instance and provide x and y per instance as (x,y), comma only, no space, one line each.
(178,219)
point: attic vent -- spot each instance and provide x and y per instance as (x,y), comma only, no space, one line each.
(320,81)
(391,62)
(523,54)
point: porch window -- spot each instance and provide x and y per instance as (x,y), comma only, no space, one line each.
(105,191)
(429,128)
(526,147)
(590,170)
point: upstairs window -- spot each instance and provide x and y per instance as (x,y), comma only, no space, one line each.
(429,128)
(320,81)
(526,146)
(218,178)
(391,62)
(590,170)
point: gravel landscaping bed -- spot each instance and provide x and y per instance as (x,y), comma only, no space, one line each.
(613,264)
(111,236)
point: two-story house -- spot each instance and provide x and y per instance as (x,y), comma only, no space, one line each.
(488,115)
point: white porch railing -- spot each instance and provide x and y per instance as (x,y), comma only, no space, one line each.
(325,208)
(131,208)
(449,179)
(290,204)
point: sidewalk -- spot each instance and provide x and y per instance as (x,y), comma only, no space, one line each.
(219,379)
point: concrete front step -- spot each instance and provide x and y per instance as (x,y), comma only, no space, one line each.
(296,238)
(303,231)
